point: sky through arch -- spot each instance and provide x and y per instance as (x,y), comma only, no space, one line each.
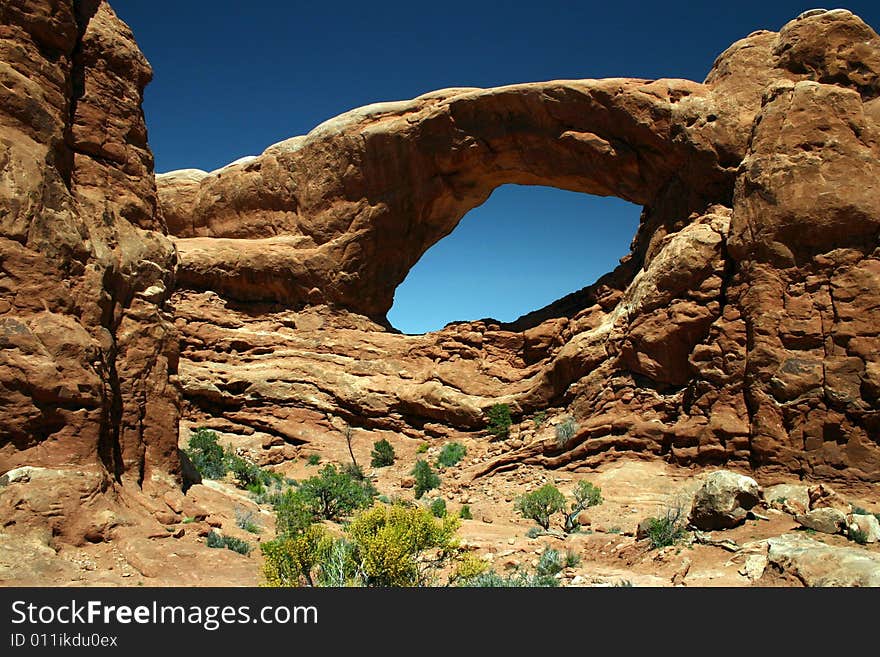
(522,249)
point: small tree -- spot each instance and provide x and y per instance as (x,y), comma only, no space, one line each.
(499,420)
(540,504)
(426,478)
(585,496)
(382,454)
(206,454)
(450,454)
(331,495)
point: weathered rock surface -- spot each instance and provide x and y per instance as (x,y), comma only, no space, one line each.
(742,328)
(796,559)
(86,359)
(869,525)
(724,500)
(824,519)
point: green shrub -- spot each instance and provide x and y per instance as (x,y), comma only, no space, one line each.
(499,420)
(585,496)
(465,512)
(313,459)
(572,559)
(244,519)
(330,495)
(857,535)
(382,454)
(539,418)
(334,494)
(354,471)
(549,564)
(565,431)
(540,504)
(206,454)
(668,529)
(534,532)
(422,448)
(383,546)
(215,540)
(426,478)
(450,454)
(438,508)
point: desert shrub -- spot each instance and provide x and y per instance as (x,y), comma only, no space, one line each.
(338,565)
(450,454)
(215,540)
(540,504)
(438,508)
(422,448)
(539,418)
(572,559)
(313,459)
(206,454)
(248,475)
(426,478)
(549,564)
(333,494)
(565,431)
(499,420)
(382,454)
(857,535)
(668,528)
(469,567)
(290,559)
(391,543)
(534,532)
(465,512)
(859,511)
(354,471)
(585,496)
(244,519)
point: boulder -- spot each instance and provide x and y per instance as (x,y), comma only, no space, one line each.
(868,524)
(723,501)
(823,519)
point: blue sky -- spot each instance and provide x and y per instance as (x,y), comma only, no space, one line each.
(233,77)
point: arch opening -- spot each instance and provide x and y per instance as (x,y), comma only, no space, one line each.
(523,248)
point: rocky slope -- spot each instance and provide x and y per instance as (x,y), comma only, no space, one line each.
(742,328)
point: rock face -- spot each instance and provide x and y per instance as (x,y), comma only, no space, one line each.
(723,501)
(86,359)
(741,329)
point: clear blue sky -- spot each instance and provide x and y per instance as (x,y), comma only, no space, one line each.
(232,77)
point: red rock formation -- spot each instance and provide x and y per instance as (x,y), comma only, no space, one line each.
(741,329)
(87,349)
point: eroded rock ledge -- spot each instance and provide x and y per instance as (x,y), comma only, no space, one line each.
(741,328)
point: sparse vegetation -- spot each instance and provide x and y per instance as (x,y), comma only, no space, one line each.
(534,532)
(539,418)
(465,512)
(668,528)
(215,540)
(585,496)
(857,535)
(438,508)
(540,504)
(382,454)
(313,459)
(330,495)
(422,448)
(549,564)
(499,420)
(565,431)
(450,454)
(213,462)
(383,546)
(244,519)
(206,454)
(426,478)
